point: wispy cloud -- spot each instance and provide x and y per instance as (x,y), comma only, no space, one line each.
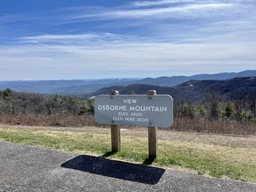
(153,38)
(181,11)
(180,2)
(127,56)
(159,3)
(88,38)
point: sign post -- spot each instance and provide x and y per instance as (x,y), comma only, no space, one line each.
(152,135)
(115,133)
(151,110)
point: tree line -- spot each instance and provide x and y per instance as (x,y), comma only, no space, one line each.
(213,114)
(15,103)
(214,107)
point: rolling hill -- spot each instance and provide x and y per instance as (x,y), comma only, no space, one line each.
(194,90)
(86,87)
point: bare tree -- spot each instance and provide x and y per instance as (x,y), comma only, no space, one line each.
(213,98)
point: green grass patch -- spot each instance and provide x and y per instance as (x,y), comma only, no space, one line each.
(218,161)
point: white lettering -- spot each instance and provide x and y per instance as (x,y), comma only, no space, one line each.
(163,109)
(148,108)
(143,119)
(130,101)
(112,107)
(117,118)
(134,100)
(123,113)
(129,119)
(136,114)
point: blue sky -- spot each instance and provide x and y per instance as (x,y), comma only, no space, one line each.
(91,39)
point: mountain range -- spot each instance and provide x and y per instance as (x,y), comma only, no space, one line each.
(94,87)
(195,90)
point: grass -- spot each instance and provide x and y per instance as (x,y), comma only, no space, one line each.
(217,159)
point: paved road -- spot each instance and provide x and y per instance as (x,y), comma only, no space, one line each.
(24,168)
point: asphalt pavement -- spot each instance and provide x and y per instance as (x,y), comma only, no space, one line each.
(25,168)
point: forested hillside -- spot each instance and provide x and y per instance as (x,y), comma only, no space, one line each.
(38,109)
(195,91)
(227,106)
(213,106)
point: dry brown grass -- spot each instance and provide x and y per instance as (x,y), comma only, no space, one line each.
(62,120)
(180,124)
(216,126)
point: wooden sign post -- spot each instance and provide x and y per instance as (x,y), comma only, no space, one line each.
(149,110)
(115,133)
(152,135)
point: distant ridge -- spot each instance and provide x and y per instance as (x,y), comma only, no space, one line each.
(175,80)
(195,90)
(86,87)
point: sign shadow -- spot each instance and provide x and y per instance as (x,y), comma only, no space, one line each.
(116,169)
